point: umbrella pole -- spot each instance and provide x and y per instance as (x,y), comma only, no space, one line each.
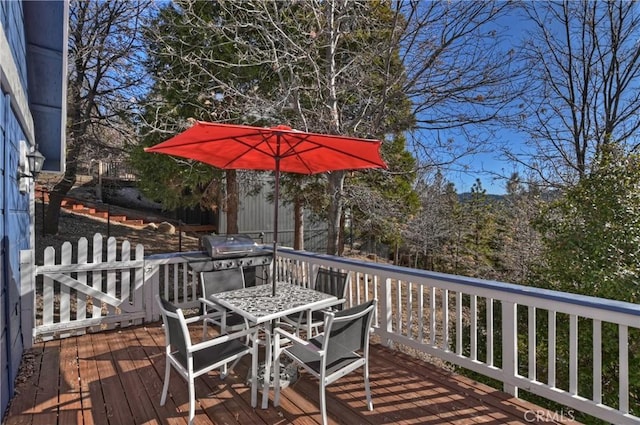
(275,228)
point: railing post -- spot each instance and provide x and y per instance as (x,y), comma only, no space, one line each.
(509,346)
(27,296)
(151,289)
(386,303)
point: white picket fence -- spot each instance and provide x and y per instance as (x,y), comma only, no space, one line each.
(93,287)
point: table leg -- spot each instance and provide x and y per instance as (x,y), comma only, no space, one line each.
(254,370)
(267,364)
(276,369)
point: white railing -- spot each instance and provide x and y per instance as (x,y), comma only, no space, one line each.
(491,328)
(485,326)
(170,275)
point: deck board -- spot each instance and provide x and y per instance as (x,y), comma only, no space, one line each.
(88,371)
(116,377)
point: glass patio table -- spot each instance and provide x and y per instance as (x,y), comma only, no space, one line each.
(260,307)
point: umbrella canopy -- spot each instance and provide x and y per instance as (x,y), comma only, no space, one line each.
(279,148)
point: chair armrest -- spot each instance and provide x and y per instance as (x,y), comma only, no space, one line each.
(222,339)
(301,314)
(199,317)
(193,319)
(293,323)
(296,340)
(218,312)
(211,304)
(335,303)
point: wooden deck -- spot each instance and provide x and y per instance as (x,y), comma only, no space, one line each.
(115,378)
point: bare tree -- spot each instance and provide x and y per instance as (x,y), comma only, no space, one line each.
(584,61)
(462,76)
(520,245)
(433,226)
(104,80)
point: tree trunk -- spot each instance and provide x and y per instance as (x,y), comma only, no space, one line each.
(61,189)
(341,235)
(396,254)
(335,187)
(298,214)
(232,201)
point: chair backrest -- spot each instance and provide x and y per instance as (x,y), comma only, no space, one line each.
(175,328)
(348,330)
(333,282)
(216,281)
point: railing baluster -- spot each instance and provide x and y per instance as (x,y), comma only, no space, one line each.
(597,361)
(552,349)
(96,277)
(573,354)
(432,320)
(399,307)
(459,323)
(185,282)
(409,307)
(81,299)
(387,306)
(375,295)
(111,275)
(65,291)
(509,346)
(359,296)
(474,327)
(176,289)
(532,342)
(420,313)
(365,278)
(623,347)
(125,276)
(445,319)
(47,288)
(165,275)
(490,331)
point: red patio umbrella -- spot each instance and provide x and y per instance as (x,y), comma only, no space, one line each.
(277,149)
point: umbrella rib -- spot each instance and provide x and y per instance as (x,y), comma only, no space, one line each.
(250,147)
(293,152)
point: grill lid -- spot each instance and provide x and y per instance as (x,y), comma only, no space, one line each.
(220,245)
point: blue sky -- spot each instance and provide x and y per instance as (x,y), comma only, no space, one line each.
(464,181)
(514,28)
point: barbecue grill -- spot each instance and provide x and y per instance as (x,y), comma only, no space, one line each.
(220,252)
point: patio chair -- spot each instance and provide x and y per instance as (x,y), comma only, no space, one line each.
(329,281)
(212,282)
(192,360)
(342,348)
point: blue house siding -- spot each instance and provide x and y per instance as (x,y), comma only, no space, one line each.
(16,236)
(16,39)
(4,362)
(20,125)
(12,227)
